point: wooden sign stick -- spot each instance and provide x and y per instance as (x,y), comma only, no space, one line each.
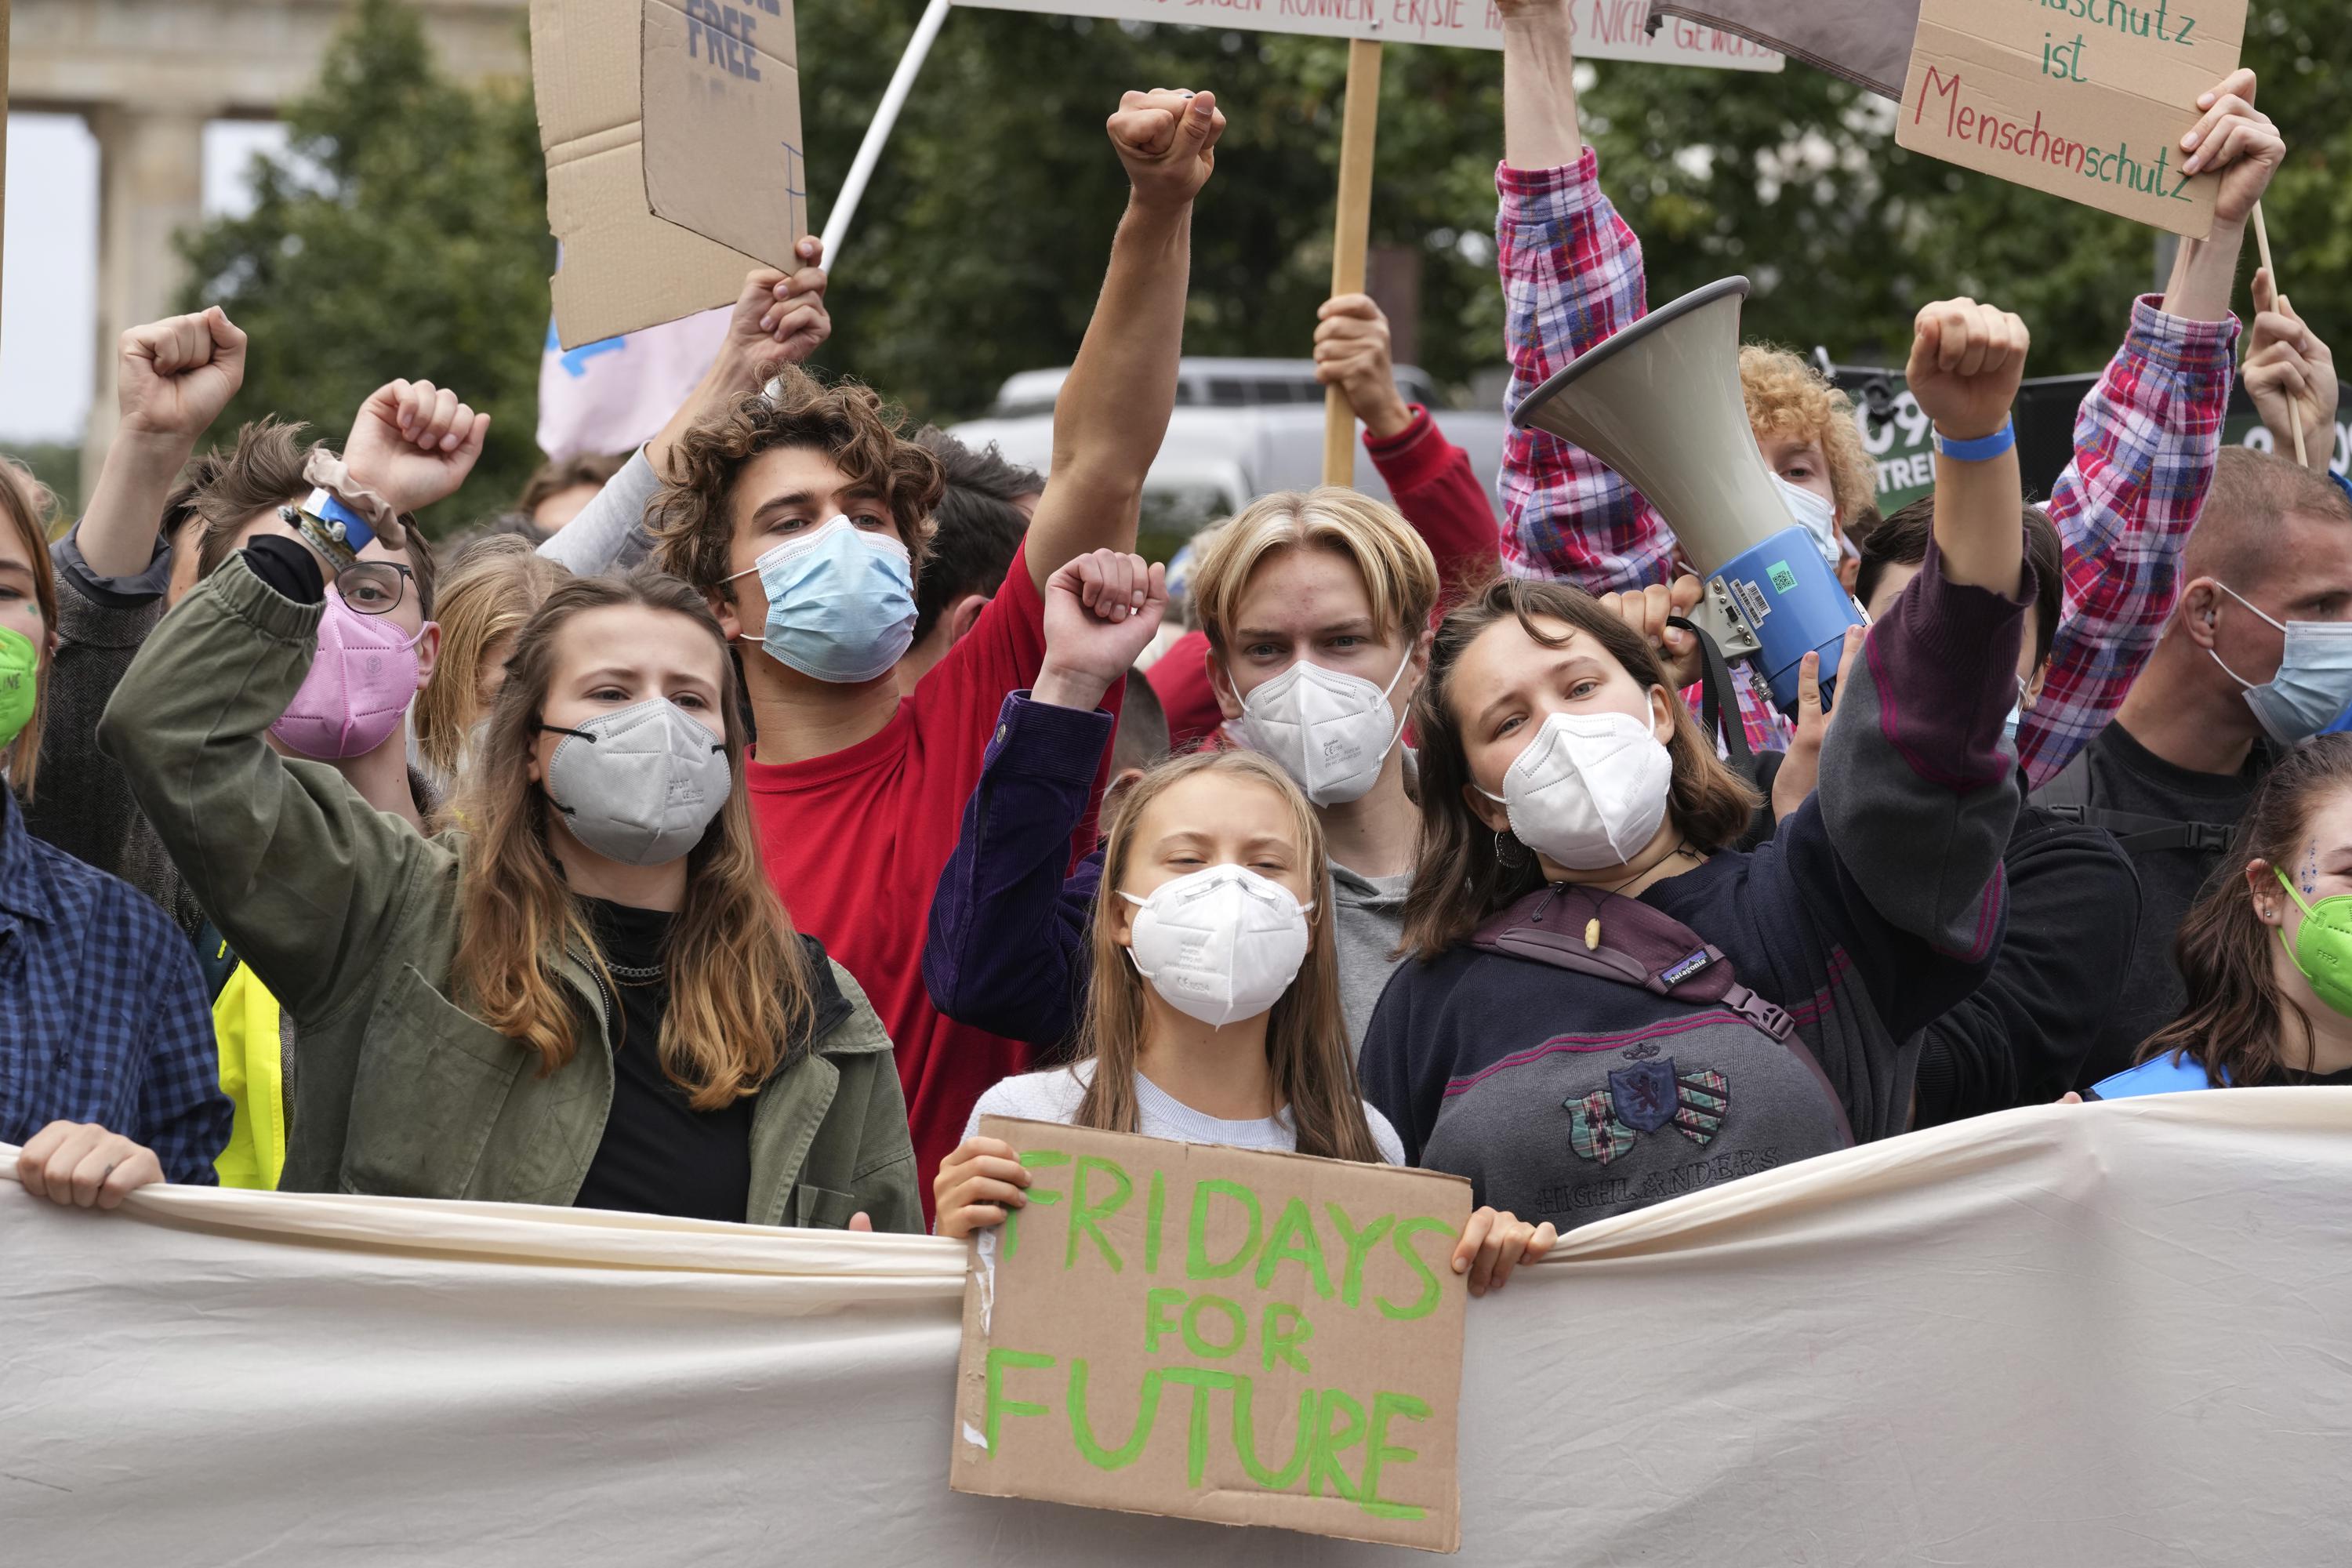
(2295,404)
(1351,235)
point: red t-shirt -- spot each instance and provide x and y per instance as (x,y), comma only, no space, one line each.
(855,843)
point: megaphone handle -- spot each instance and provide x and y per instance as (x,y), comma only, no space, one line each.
(1714,679)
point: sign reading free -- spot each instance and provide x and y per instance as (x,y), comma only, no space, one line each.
(2085,99)
(1216,1334)
(1602,29)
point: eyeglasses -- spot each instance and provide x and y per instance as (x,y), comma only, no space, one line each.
(371,587)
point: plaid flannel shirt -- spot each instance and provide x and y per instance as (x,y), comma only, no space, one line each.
(1571,276)
(2144,445)
(102,1014)
(2146,441)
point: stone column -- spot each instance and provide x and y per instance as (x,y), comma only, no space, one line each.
(150,178)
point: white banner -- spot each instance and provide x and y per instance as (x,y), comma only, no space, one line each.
(2113,1334)
(1604,29)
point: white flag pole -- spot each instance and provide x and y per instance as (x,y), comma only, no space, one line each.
(869,151)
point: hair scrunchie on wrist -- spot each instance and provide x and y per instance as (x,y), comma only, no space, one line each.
(327,471)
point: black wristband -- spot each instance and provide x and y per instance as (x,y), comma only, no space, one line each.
(289,567)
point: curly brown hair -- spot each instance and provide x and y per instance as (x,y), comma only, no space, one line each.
(1786,396)
(691,518)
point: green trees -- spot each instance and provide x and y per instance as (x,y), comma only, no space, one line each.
(423,249)
(414,244)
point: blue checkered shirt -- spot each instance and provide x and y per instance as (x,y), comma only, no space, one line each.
(102,1014)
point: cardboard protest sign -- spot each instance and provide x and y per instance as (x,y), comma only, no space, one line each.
(1215,1333)
(621,267)
(1604,29)
(2085,99)
(722,124)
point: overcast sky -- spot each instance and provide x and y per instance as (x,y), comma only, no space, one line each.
(48,279)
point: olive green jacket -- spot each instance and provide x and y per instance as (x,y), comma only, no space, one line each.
(350,918)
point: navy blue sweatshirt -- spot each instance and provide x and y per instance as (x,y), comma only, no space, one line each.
(1005,948)
(1878,904)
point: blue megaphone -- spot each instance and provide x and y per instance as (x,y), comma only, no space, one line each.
(1661,403)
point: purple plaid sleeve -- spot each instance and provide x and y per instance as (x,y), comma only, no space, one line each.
(2145,444)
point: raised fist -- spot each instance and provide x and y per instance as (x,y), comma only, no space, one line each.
(1101,610)
(1966,361)
(175,375)
(1168,139)
(413,443)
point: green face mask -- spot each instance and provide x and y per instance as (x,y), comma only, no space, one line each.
(2323,949)
(20,683)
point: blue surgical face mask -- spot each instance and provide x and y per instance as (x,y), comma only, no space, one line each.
(1817,516)
(841,601)
(2314,683)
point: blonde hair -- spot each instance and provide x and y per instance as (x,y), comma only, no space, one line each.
(739,988)
(1308,1053)
(1786,396)
(30,506)
(499,586)
(1399,573)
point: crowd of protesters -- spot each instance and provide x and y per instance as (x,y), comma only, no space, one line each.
(727,827)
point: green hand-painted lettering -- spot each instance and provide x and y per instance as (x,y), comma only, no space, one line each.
(1196,1431)
(1282,1330)
(1324,1465)
(1360,1246)
(1294,1238)
(1198,1344)
(995,1406)
(1156,1321)
(1430,1289)
(1245,1440)
(1196,1244)
(1376,1452)
(1153,1206)
(1082,1432)
(1088,1217)
(1034,1159)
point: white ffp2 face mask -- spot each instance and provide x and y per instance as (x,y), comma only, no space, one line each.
(1590,791)
(1817,516)
(1330,731)
(1220,943)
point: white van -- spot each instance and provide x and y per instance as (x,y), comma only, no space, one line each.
(1241,429)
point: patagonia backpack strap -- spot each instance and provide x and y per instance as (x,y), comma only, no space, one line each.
(1624,939)
(1714,690)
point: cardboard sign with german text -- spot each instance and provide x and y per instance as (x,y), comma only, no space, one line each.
(620,268)
(1216,1334)
(1600,30)
(722,113)
(2085,99)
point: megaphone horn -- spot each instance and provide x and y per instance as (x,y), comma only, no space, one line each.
(1661,403)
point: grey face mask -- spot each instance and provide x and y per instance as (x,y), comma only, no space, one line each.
(638,785)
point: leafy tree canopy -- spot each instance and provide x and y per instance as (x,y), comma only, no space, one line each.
(421,247)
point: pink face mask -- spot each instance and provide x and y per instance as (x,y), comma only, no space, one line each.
(361,683)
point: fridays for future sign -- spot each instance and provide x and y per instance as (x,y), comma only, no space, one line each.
(2084,98)
(1604,29)
(1217,1333)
